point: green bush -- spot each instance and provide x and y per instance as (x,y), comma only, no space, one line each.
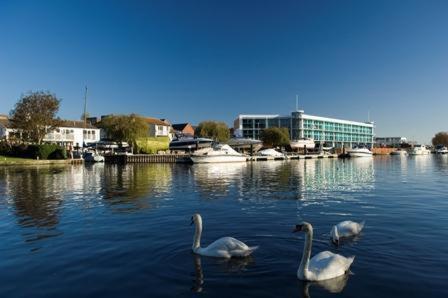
(44,151)
(151,145)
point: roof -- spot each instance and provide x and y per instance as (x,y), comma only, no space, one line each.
(155,121)
(5,122)
(75,124)
(180,126)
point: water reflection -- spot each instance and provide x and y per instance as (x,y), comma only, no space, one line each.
(233,265)
(334,285)
(128,187)
(215,180)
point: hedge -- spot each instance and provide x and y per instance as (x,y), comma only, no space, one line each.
(151,145)
(43,151)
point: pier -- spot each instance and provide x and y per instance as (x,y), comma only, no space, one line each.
(145,158)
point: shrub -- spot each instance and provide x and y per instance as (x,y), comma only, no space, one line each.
(46,151)
(152,145)
(59,153)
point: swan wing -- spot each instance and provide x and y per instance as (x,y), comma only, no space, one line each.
(327,265)
(227,247)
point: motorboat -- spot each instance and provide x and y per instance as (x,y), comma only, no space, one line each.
(359,152)
(440,149)
(419,150)
(302,143)
(271,153)
(399,152)
(190,143)
(217,153)
(245,144)
(92,156)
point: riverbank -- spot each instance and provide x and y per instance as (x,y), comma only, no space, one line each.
(17,161)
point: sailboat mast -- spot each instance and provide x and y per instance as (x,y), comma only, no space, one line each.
(85,108)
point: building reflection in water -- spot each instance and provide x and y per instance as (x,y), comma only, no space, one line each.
(215,180)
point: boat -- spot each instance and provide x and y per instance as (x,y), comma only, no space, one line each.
(419,150)
(217,153)
(440,149)
(271,153)
(302,143)
(359,152)
(92,156)
(245,144)
(399,152)
(190,143)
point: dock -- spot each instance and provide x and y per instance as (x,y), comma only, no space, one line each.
(145,158)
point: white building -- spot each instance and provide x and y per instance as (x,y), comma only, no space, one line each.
(324,130)
(73,133)
(69,133)
(390,141)
(158,128)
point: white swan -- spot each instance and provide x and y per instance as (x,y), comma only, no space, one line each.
(324,265)
(345,228)
(225,247)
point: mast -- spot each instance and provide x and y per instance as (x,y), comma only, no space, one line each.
(85,108)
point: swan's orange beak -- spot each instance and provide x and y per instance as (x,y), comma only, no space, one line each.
(298,228)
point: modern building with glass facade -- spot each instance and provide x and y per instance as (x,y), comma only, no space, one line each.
(323,130)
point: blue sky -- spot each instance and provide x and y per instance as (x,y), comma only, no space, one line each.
(190,61)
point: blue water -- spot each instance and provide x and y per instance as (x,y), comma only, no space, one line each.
(123,231)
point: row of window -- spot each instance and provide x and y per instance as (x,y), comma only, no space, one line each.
(307,124)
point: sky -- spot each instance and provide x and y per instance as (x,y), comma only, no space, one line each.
(190,61)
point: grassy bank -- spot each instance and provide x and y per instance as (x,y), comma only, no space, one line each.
(12,161)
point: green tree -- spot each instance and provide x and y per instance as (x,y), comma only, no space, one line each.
(440,138)
(35,114)
(275,136)
(125,128)
(214,130)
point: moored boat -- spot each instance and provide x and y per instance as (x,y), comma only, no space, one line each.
(190,143)
(359,152)
(271,153)
(419,150)
(91,156)
(217,153)
(440,149)
(244,144)
(302,143)
(399,152)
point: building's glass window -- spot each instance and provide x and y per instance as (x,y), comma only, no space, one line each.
(248,123)
(260,123)
(273,122)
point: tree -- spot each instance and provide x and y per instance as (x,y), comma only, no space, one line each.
(440,138)
(214,130)
(125,128)
(34,115)
(275,136)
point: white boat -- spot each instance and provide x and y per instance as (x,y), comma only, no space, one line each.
(301,143)
(91,156)
(440,149)
(359,152)
(399,152)
(419,150)
(218,153)
(271,153)
(190,143)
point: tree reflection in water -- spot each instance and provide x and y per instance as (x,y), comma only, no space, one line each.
(127,188)
(36,195)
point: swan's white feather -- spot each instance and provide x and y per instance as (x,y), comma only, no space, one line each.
(327,265)
(346,228)
(226,247)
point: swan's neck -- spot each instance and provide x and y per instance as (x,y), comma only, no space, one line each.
(303,268)
(197,235)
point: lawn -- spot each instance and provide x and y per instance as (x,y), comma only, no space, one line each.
(7,161)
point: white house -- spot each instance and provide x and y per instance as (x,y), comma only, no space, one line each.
(73,133)
(69,133)
(158,128)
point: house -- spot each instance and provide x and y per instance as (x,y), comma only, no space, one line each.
(185,129)
(68,133)
(73,133)
(158,128)
(6,129)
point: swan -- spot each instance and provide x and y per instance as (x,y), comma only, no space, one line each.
(324,265)
(345,228)
(225,247)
